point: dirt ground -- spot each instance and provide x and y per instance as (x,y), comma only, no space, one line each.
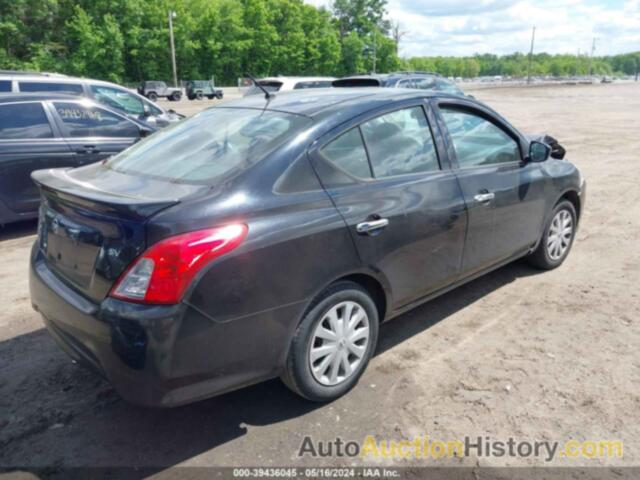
(517,353)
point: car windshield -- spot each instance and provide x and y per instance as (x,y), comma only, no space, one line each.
(216,143)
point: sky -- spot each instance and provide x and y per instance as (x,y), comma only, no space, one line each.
(460,28)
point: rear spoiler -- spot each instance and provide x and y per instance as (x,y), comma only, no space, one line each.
(57,183)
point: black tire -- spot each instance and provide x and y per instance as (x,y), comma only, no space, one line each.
(219,95)
(542,256)
(153,96)
(210,97)
(175,96)
(298,375)
(191,97)
(199,95)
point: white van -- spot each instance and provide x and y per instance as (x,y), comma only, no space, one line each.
(107,93)
(283,84)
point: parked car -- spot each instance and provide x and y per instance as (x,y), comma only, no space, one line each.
(198,89)
(154,89)
(107,93)
(266,238)
(417,80)
(285,84)
(50,131)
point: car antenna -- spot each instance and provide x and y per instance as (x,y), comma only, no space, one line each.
(267,94)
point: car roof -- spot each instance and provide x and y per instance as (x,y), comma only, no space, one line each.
(294,79)
(35,97)
(46,77)
(317,102)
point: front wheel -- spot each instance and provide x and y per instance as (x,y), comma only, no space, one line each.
(333,344)
(176,96)
(557,238)
(153,96)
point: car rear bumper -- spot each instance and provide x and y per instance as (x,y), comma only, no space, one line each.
(159,356)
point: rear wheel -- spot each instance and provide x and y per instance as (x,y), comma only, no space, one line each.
(557,238)
(153,96)
(333,344)
(175,96)
(199,95)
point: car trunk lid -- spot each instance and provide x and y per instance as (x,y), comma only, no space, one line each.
(92,222)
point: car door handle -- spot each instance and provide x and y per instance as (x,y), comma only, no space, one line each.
(484,197)
(88,149)
(372,227)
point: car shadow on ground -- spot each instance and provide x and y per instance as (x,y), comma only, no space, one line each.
(58,414)
(18,230)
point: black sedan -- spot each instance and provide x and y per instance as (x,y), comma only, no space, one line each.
(271,237)
(51,130)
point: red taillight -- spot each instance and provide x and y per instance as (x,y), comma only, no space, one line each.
(162,274)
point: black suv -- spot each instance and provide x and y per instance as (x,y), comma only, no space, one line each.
(419,80)
(198,89)
(49,131)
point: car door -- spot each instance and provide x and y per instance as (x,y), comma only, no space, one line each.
(505,195)
(404,210)
(28,142)
(93,133)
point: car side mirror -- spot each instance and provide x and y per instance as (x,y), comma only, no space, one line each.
(539,152)
(145,132)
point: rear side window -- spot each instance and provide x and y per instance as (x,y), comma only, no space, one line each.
(5,85)
(400,142)
(477,141)
(72,88)
(24,120)
(347,152)
(84,121)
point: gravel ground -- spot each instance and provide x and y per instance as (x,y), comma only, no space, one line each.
(517,353)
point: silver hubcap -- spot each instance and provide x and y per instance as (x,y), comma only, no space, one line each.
(560,233)
(339,343)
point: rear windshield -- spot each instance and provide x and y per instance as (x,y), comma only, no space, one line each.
(357,82)
(215,143)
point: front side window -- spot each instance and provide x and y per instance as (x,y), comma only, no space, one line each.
(119,99)
(212,144)
(24,120)
(88,121)
(347,152)
(477,141)
(400,142)
(72,88)
(5,85)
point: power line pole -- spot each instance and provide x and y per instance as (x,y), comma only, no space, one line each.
(374,51)
(533,39)
(593,49)
(172,15)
